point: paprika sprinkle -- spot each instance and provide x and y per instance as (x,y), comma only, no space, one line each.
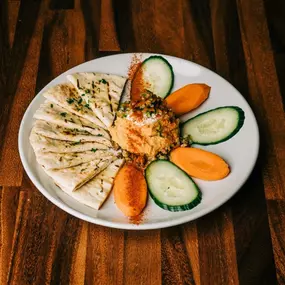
(138,85)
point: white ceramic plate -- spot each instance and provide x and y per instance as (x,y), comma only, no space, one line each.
(241,151)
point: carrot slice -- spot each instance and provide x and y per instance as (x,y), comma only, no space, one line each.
(130,190)
(188,98)
(200,163)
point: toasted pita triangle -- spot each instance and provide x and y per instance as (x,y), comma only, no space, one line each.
(44,144)
(64,94)
(69,179)
(52,160)
(101,92)
(59,133)
(96,191)
(57,115)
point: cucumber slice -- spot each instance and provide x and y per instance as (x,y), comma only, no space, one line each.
(158,75)
(214,126)
(170,187)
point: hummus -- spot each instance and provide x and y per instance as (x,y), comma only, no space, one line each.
(146,127)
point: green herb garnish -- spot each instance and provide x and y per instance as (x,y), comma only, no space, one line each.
(94,149)
(148,113)
(87,106)
(99,135)
(103,81)
(75,143)
(93,85)
(80,101)
(69,100)
(159,130)
(51,105)
(87,91)
(63,114)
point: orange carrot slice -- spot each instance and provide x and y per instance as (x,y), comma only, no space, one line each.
(130,190)
(200,163)
(188,98)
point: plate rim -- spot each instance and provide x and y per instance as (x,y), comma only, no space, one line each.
(131,226)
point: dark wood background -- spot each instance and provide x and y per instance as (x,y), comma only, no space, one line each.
(243,242)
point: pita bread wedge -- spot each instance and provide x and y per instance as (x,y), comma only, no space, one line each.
(52,160)
(44,144)
(69,179)
(101,91)
(57,115)
(66,96)
(96,191)
(116,87)
(60,133)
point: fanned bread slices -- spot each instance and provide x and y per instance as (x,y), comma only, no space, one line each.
(66,96)
(102,92)
(60,133)
(70,179)
(57,115)
(52,160)
(96,191)
(44,144)
(70,137)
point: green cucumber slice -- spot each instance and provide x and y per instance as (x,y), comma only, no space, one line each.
(170,187)
(158,75)
(214,126)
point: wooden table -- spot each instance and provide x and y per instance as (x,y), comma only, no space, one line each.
(243,241)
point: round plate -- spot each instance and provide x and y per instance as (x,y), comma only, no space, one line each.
(240,152)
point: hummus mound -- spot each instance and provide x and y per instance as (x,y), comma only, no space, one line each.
(146,127)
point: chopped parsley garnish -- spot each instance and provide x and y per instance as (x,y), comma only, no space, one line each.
(75,143)
(87,106)
(159,130)
(82,94)
(51,105)
(93,85)
(63,114)
(87,91)
(70,100)
(100,135)
(94,149)
(80,101)
(103,81)
(147,113)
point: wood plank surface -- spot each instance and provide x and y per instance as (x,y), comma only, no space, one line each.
(243,241)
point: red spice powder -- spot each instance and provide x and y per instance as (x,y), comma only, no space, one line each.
(136,76)
(137,220)
(135,63)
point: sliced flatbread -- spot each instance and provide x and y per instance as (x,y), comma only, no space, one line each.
(51,160)
(59,133)
(96,191)
(57,115)
(69,179)
(44,144)
(101,91)
(67,96)
(116,87)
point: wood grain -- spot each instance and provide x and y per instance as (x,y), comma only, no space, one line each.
(243,241)
(108,34)
(176,267)
(9,203)
(142,257)
(105,258)
(11,173)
